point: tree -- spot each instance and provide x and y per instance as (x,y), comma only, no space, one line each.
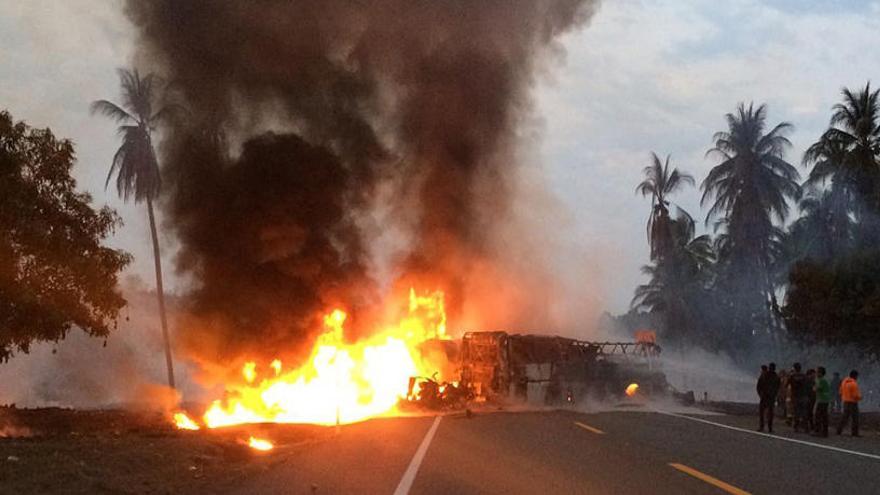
(135,165)
(836,303)
(55,274)
(848,156)
(751,187)
(678,281)
(660,182)
(824,230)
(834,294)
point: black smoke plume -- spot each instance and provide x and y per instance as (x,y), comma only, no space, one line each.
(420,97)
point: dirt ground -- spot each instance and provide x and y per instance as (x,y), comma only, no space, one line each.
(96,452)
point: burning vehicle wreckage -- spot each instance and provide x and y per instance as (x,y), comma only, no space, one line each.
(413,365)
(497,367)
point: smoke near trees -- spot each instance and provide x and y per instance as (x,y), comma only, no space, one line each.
(724,292)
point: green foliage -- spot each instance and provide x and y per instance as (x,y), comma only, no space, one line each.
(721,293)
(55,274)
(836,303)
(678,283)
(834,284)
(847,156)
(751,187)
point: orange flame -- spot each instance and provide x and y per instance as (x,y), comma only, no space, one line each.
(276,365)
(632,389)
(249,372)
(260,444)
(182,421)
(340,382)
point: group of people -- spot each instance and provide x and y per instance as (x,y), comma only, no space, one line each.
(805,399)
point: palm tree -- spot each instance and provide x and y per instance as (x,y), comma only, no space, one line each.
(135,165)
(824,230)
(678,282)
(848,155)
(660,182)
(751,187)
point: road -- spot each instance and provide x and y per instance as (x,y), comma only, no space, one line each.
(568,452)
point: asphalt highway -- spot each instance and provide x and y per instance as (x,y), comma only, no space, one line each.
(567,452)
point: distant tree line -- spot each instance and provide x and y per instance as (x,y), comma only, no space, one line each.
(763,275)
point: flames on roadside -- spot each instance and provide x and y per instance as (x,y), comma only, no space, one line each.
(13,431)
(260,444)
(632,389)
(341,381)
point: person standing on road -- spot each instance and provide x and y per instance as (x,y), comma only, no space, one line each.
(759,388)
(782,395)
(850,394)
(811,393)
(797,383)
(835,389)
(768,391)
(823,398)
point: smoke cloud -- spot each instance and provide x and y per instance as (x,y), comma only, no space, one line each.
(124,370)
(319,128)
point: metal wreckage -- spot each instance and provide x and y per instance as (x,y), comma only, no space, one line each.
(497,367)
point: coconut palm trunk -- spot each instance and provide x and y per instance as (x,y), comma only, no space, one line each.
(160,294)
(135,166)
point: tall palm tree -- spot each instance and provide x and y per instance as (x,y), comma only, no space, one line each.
(135,165)
(751,188)
(848,155)
(661,182)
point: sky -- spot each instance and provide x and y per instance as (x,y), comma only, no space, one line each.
(645,75)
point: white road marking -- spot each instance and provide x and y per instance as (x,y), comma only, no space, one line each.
(785,439)
(413,469)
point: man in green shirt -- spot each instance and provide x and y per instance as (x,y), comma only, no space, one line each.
(823,399)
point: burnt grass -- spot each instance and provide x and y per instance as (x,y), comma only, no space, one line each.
(53,450)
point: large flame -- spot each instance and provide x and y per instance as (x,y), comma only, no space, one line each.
(340,382)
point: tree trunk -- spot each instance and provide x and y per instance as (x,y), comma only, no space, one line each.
(160,293)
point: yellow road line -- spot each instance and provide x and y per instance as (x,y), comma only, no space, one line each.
(709,479)
(589,428)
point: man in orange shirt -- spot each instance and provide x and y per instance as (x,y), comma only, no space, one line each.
(850,394)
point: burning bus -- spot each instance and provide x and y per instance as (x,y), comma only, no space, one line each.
(495,366)
(412,362)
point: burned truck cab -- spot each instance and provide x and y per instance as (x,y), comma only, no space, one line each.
(485,363)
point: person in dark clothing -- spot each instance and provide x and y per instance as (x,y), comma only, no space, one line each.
(822,390)
(800,397)
(768,389)
(811,393)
